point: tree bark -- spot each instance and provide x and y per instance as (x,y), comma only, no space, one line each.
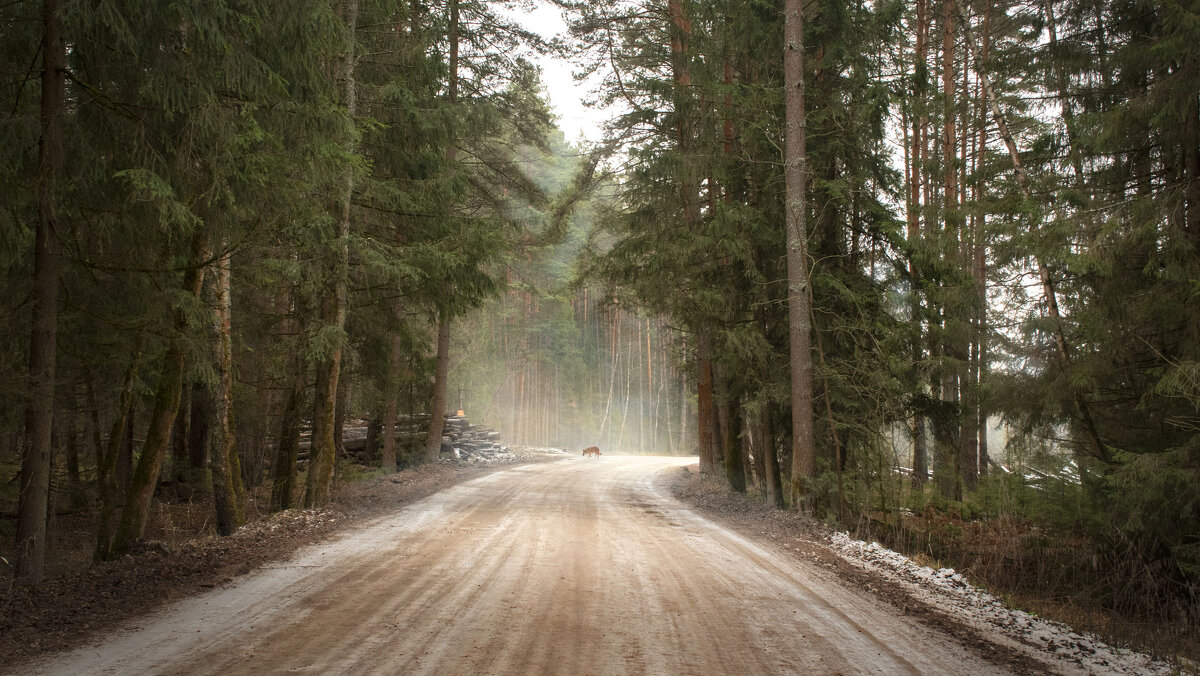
(689,195)
(341,412)
(704,403)
(920,119)
(612,378)
(252,453)
(226,497)
(799,305)
(683,416)
(106,464)
(33,502)
(166,405)
(978,256)
(333,310)
(839,456)
(181,475)
(322,449)
(124,467)
(948,464)
(374,436)
(752,458)
(771,478)
(285,474)
(199,424)
(437,406)
(721,431)
(735,469)
(437,418)
(387,459)
(78,497)
(1191,164)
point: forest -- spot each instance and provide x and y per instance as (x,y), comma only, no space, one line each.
(925,271)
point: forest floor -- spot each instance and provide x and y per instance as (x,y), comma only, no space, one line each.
(183,557)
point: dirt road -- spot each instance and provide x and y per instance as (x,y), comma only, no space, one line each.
(575,567)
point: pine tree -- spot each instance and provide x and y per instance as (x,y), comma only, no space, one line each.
(322,456)
(35,462)
(799,294)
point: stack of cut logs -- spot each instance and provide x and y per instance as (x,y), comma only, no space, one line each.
(475,443)
(460,439)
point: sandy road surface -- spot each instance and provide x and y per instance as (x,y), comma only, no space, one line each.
(575,567)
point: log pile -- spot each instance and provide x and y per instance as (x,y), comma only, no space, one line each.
(474,443)
(461,440)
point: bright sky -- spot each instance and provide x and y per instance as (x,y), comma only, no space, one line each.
(566,95)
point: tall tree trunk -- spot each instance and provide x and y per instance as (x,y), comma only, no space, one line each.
(1081,409)
(341,411)
(252,453)
(667,416)
(199,424)
(920,118)
(799,305)
(771,478)
(629,366)
(949,461)
(704,403)
(333,310)
(285,474)
(89,390)
(437,419)
(180,435)
(735,468)
(752,476)
(721,431)
(1191,168)
(643,398)
(387,459)
(689,195)
(839,456)
(1060,82)
(612,379)
(124,469)
(166,405)
(78,497)
(226,497)
(689,182)
(978,257)
(106,463)
(374,436)
(437,406)
(322,449)
(683,416)
(33,503)
(752,458)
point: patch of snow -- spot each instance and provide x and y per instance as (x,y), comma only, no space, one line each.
(950,592)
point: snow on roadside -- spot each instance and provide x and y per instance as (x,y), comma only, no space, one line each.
(949,591)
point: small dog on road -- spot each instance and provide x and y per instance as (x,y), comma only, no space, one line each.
(591,450)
